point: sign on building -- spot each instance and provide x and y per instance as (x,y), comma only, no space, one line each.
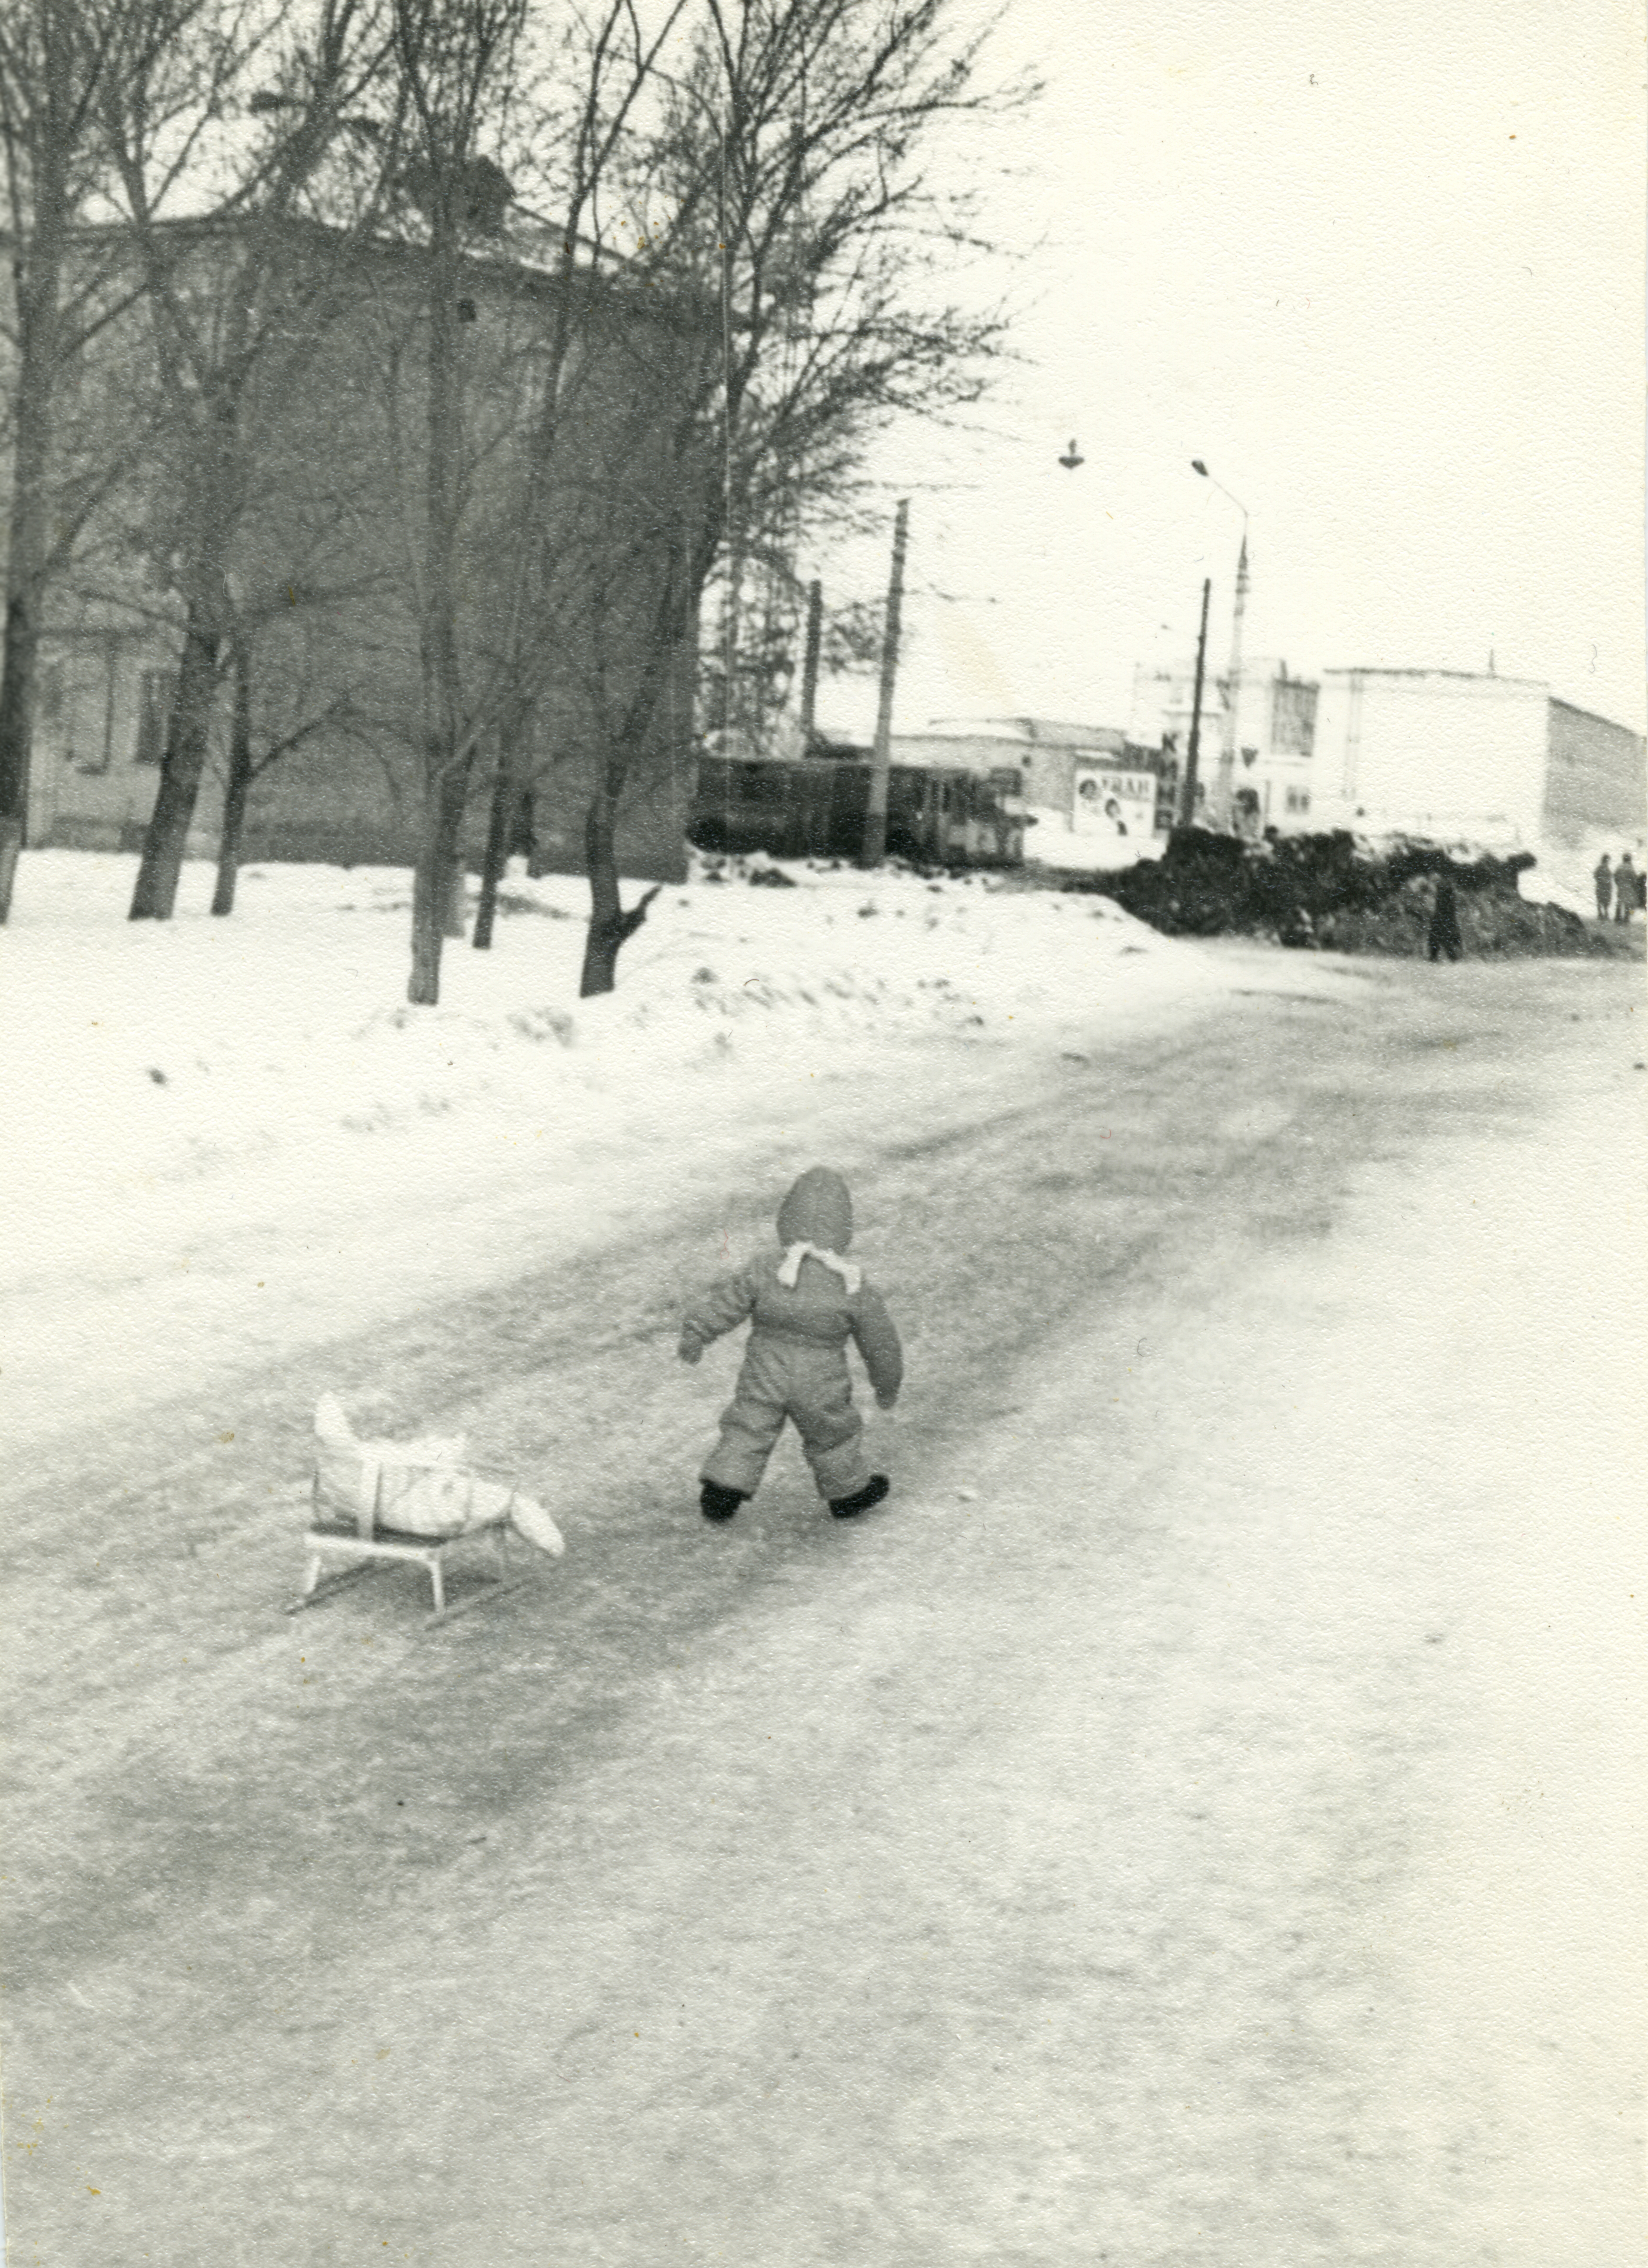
(1108,802)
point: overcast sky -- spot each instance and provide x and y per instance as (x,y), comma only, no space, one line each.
(1383,268)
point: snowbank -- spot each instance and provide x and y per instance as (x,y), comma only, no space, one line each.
(235,1131)
(1053,842)
(158,1053)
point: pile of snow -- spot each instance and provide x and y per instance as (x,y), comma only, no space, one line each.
(1054,842)
(238,1127)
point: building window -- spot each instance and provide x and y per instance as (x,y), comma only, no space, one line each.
(1297,799)
(84,702)
(1292,716)
(154,710)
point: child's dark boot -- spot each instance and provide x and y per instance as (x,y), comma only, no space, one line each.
(848,1507)
(718,1503)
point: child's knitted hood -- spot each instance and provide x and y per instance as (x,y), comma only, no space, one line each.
(817,1210)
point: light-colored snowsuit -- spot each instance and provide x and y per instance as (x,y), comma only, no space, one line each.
(805,1303)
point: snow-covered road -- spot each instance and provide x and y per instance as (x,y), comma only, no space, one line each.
(1195,1827)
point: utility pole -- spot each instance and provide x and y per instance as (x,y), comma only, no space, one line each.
(809,663)
(1225,805)
(874,848)
(1187,802)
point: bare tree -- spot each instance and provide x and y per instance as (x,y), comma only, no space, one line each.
(789,173)
(771,199)
(474,408)
(618,600)
(454,62)
(235,301)
(56,59)
(305,717)
(617,63)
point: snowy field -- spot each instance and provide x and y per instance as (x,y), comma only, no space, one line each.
(234,1137)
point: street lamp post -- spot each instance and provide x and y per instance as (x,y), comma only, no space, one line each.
(1187,803)
(1224,798)
(1224,795)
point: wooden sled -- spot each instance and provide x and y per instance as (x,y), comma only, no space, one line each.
(345,1526)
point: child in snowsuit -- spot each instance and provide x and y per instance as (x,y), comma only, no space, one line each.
(806,1301)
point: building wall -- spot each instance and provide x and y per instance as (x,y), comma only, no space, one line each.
(1596,775)
(324,573)
(100,690)
(1431,751)
(336,799)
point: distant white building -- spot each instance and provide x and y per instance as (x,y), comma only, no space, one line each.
(1275,723)
(1450,753)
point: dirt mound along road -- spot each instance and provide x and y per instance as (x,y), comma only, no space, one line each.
(1337,891)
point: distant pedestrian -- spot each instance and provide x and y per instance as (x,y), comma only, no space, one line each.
(1444,921)
(1625,881)
(1603,877)
(805,1303)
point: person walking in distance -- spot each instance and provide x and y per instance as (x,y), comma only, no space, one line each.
(1444,921)
(1602,875)
(1624,888)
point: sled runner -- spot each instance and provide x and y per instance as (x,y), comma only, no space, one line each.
(375,1503)
(361,1550)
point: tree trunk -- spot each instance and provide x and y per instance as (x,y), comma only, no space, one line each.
(505,794)
(456,895)
(39,275)
(609,926)
(432,881)
(238,785)
(10,843)
(445,772)
(17,715)
(17,734)
(423,987)
(181,767)
(602,943)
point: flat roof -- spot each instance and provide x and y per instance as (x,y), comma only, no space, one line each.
(1044,732)
(1463,676)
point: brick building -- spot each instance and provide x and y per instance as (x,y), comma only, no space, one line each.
(323,569)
